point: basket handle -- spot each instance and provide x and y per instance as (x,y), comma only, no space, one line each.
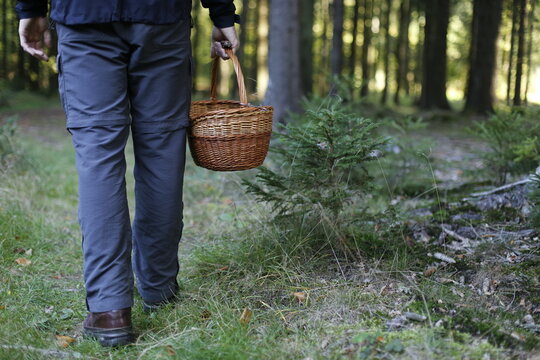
(237,69)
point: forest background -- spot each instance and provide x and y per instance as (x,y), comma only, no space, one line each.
(458,54)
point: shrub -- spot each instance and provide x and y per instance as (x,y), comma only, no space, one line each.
(317,155)
(514,142)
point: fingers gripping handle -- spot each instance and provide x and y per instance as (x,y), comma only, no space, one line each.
(237,69)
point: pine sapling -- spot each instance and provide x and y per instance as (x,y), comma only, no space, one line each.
(322,161)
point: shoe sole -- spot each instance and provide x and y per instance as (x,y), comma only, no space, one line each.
(111,337)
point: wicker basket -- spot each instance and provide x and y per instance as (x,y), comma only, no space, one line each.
(227,135)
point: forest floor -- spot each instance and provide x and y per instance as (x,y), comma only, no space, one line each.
(461,283)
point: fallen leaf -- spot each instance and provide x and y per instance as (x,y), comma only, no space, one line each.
(19,250)
(246,316)
(170,350)
(2,307)
(57,277)
(430,271)
(23,261)
(223,268)
(300,296)
(64,341)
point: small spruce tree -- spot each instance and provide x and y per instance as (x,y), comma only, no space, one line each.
(322,161)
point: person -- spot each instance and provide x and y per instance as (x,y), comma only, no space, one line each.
(125,66)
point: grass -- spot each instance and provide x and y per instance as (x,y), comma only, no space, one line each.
(305,303)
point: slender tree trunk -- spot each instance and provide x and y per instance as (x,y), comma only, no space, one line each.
(325,50)
(386,50)
(336,56)
(402,50)
(245,17)
(243,30)
(284,90)
(434,59)
(483,54)
(529,50)
(254,40)
(520,52)
(306,42)
(4,40)
(262,29)
(512,50)
(368,13)
(354,33)
(418,53)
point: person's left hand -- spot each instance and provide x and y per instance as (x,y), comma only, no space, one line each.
(224,34)
(32,33)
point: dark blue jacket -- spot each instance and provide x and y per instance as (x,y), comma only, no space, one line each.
(74,12)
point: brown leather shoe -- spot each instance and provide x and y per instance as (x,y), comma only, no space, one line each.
(110,328)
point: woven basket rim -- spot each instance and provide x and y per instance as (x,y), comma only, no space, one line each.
(243,109)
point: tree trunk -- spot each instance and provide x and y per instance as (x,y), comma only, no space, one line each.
(4,40)
(483,54)
(386,50)
(354,33)
(512,49)
(529,50)
(336,56)
(434,58)
(520,52)
(368,13)
(402,50)
(284,59)
(254,41)
(306,52)
(418,51)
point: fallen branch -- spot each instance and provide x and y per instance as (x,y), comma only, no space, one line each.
(455,235)
(46,352)
(445,258)
(502,188)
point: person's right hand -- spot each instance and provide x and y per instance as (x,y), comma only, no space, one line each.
(32,33)
(224,34)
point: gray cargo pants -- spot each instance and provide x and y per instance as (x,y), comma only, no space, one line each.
(114,78)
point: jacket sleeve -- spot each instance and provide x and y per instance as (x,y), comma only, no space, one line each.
(221,12)
(31,8)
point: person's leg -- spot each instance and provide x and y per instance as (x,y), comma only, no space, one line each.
(93,83)
(157,227)
(104,216)
(159,87)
